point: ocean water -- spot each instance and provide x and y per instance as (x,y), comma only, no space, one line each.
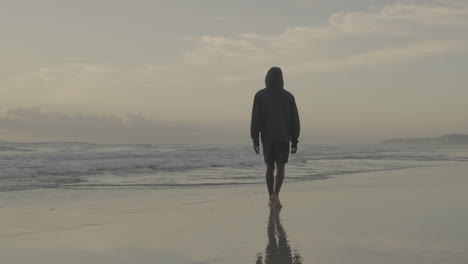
(25,166)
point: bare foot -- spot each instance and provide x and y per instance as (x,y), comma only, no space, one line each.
(274,201)
(278,203)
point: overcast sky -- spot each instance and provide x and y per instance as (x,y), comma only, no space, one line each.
(186,71)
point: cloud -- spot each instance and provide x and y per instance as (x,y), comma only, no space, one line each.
(394,33)
(93,72)
(36,124)
(391,34)
(396,54)
(69,71)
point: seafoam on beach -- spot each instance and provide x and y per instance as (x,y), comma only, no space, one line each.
(415,215)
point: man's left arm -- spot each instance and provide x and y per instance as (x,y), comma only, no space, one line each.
(296,126)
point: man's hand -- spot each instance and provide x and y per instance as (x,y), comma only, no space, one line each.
(293,148)
(256,147)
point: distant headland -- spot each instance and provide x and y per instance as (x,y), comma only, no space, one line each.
(452,140)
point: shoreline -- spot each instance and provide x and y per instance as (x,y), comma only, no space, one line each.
(414,215)
(143,186)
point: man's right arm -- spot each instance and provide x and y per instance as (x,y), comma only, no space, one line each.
(255,124)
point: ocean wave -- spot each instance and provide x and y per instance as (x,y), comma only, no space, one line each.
(66,164)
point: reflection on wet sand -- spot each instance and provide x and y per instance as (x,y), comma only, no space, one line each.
(278,250)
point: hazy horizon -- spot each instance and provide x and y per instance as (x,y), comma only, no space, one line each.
(186,72)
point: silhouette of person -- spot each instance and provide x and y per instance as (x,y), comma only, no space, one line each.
(278,250)
(275,117)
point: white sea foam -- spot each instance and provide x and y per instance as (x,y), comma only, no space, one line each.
(84,165)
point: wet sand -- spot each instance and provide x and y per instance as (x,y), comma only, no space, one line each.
(414,215)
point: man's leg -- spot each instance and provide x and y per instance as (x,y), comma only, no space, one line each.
(279,177)
(270,179)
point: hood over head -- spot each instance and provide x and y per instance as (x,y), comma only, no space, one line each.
(274,78)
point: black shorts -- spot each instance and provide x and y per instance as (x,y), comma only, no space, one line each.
(278,152)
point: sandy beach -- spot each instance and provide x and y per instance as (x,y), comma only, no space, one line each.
(416,215)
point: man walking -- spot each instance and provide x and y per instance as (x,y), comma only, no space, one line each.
(276,119)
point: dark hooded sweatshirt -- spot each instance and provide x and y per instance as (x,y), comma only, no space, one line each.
(274,112)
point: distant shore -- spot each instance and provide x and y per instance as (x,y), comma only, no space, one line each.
(446,140)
